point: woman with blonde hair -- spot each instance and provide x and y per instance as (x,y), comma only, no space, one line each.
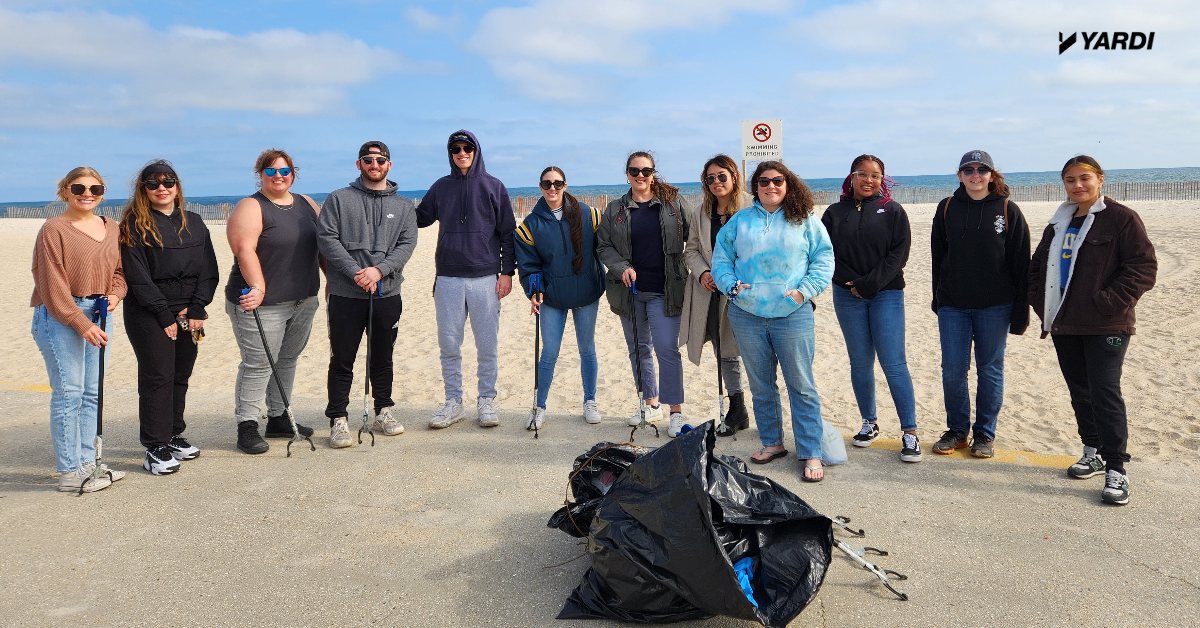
(76,264)
(171,270)
(704,307)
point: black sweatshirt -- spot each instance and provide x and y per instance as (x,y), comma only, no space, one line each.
(182,273)
(978,260)
(870,244)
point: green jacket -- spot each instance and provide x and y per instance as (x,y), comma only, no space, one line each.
(616,253)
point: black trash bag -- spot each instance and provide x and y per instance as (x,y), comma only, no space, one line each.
(666,536)
(592,475)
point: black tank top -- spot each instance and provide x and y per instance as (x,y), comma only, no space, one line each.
(287,250)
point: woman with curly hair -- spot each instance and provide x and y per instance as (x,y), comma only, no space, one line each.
(772,259)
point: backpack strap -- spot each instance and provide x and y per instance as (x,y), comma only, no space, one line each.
(945,211)
(1005,213)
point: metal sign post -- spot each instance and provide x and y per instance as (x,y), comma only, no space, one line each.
(762,140)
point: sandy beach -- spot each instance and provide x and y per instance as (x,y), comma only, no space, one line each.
(1161,382)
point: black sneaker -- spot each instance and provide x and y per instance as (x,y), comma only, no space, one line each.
(281,427)
(950,440)
(981,447)
(1116,488)
(911,448)
(248,439)
(181,449)
(866,435)
(160,461)
(1089,465)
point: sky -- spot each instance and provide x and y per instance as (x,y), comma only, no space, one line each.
(580,84)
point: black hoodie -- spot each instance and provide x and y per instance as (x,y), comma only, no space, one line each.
(980,261)
(870,244)
(475,236)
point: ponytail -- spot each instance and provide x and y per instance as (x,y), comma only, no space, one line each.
(575,221)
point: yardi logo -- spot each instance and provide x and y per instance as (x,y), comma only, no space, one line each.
(1097,40)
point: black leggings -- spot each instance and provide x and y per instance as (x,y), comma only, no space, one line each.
(164,367)
(1092,367)
(347,322)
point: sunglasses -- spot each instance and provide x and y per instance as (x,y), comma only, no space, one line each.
(645,172)
(874,176)
(153,185)
(558,185)
(283,172)
(712,178)
(78,189)
(970,171)
(468,149)
(379,161)
(776,181)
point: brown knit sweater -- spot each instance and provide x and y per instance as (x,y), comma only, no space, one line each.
(68,263)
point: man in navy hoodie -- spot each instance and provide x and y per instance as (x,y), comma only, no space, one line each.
(475,262)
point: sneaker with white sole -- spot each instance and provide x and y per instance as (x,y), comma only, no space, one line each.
(70,481)
(535,420)
(486,408)
(653,413)
(910,448)
(591,412)
(450,413)
(160,461)
(181,449)
(339,434)
(676,424)
(866,435)
(386,423)
(1089,465)
(111,474)
(1116,488)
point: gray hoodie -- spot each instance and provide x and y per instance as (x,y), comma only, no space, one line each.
(360,227)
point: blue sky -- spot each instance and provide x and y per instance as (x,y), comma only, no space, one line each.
(580,84)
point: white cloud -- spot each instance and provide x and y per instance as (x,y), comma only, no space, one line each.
(431,22)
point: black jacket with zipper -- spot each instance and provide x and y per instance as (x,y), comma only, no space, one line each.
(871,240)
(979,259)
(182,273)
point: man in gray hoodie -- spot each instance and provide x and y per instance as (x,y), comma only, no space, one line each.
(366,232)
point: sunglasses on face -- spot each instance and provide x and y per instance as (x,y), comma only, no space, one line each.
(283,172)
(712,178)
(379,161)
(970,171)
(776,181)
(153,185)
(645,172)
(558,185)
(468,149)
(78,189)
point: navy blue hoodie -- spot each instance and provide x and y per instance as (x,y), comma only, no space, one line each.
(475,238)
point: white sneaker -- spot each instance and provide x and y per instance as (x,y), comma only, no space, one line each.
(486,408)
(450,413)
(339,434)
(386,423)
(70,481)
(676,424)
(160,461)
(652,414)
(115,477)
(536,418)
(591,412)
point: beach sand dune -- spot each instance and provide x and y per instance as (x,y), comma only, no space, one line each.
(1161,382)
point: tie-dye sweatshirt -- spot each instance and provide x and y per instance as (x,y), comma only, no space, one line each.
(773,255)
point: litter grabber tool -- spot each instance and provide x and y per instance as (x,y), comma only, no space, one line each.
(535,290)
(287,404)
(858,556)
(637,370)
(100,318)
(366,424)
(714,330)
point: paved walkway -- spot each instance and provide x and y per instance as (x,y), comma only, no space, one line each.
(448,529)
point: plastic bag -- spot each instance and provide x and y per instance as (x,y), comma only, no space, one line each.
(833,444)
(592,475)
(669,530)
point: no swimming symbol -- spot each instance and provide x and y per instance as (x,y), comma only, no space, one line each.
(762,132)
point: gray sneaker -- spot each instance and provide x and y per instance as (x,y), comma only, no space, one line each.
(70,481)
(591,412)
(536,419)
(982,447)
(486,407)
(386,423)
(339,434)
(1116,488)
(450,413)
(117,476)
(1091,464)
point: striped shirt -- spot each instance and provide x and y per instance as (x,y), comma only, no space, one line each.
(69,263)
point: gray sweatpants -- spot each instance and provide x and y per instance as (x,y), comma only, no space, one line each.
(287,326)
(657,331)
(456,299)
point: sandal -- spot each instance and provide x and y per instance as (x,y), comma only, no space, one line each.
(757,458)
(810,473)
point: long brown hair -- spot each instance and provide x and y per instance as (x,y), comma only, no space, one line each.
(797,201)
(997,184)
(658,186)
(137,219)
(710,200)
(574,217)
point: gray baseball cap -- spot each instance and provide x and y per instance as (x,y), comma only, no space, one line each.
(976,157)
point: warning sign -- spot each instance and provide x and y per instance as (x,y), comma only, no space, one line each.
(762,140)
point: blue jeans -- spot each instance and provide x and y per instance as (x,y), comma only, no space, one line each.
(876,326)
(987,328)
(73,366)
(554,323)
(661,332)
(789,342)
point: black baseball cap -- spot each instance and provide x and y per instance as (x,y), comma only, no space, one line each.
(461,137)
(976,157)
(366,149)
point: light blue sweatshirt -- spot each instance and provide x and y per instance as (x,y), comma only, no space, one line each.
(773,255)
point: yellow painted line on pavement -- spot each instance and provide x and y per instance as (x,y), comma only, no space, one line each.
(1002,455)
(30,387)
